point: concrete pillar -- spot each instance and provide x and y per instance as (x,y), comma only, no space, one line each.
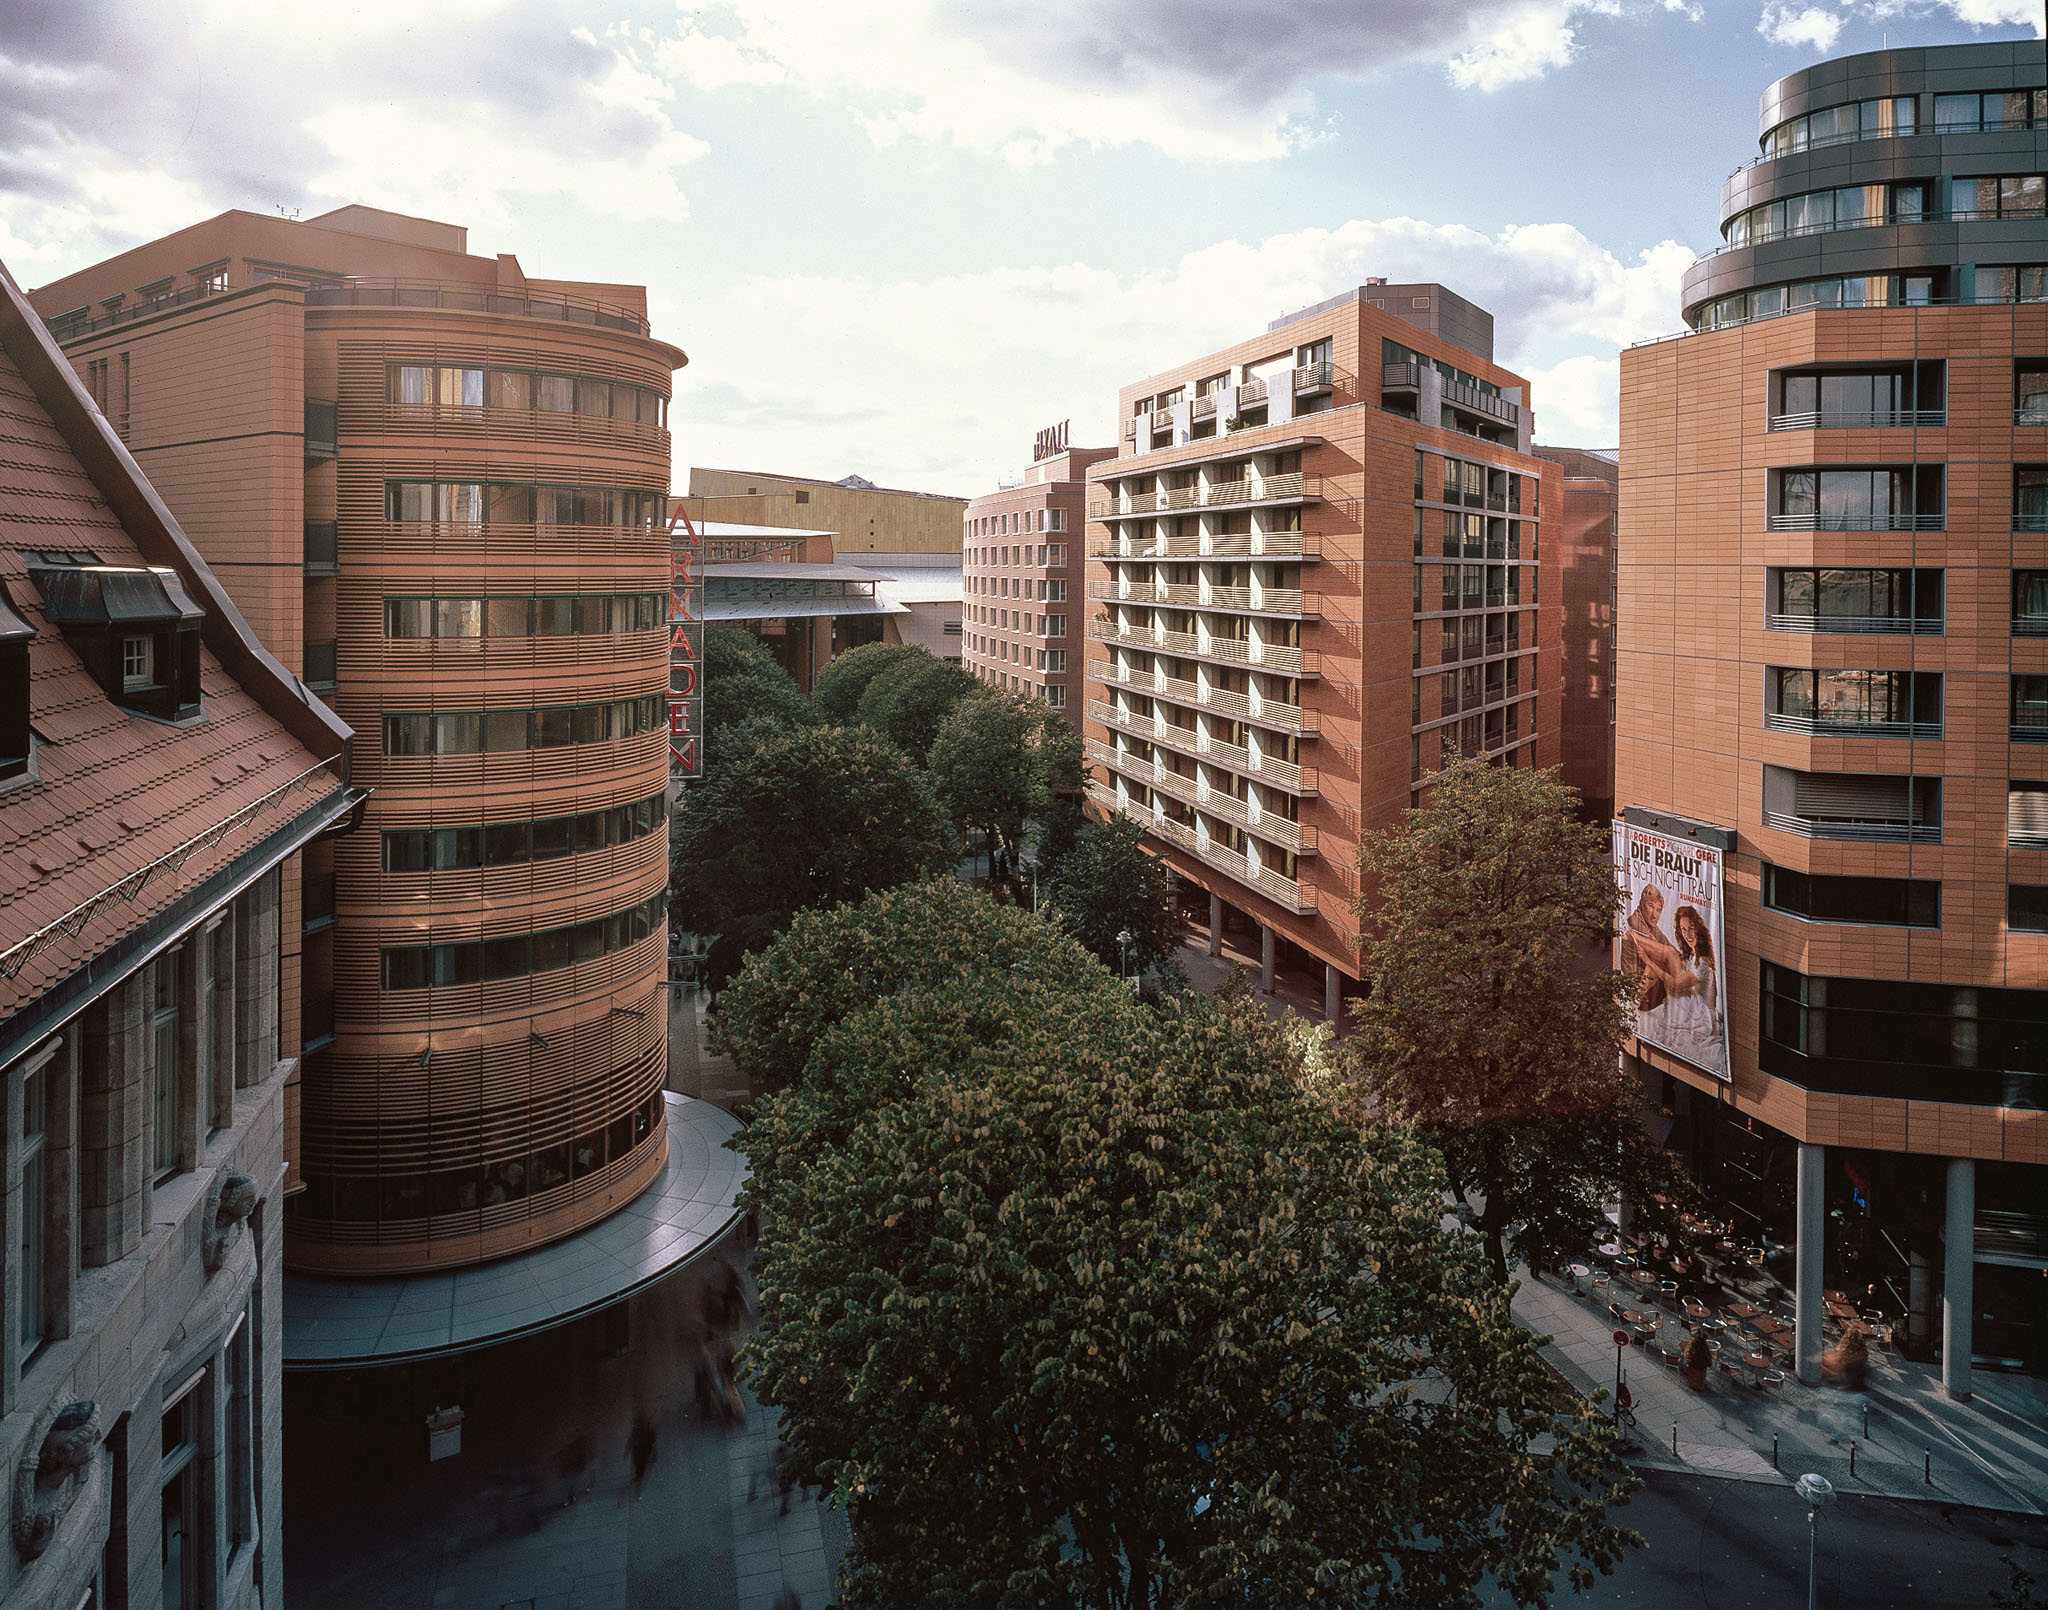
(1265,960)
(1333,993)
(1810,1251)
(1959,1278)
(1215,925)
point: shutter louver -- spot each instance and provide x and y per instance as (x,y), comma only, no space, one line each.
(2026,814)
(1825,796)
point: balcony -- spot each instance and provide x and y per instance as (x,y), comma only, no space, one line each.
(1834,727)
(1283,775)
(316,902)
(1306,545)
(1251,394)
(1311,377)
(1289,718)
(1863,522)
(1400,377)
(1283,892)
(1203,407)
(322,548)
(469,297)
(1475,401)
(1892,419)
(1289,601)
(1881,831)
(1228,650)
(1275,829)
(2031,413)
(320,667)
(1293,487)
(322,440)
(1864,625)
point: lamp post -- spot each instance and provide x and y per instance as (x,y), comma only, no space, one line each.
(1123,954)
(1816,1490)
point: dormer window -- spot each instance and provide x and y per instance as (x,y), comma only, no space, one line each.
(15,636)
(132,625)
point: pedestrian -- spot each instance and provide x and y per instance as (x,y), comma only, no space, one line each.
(640,1447)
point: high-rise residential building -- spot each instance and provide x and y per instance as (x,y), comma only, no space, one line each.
(161,777)
(436,487)
(1023,572)
(1316,565)
(1833,602)
(1584,534)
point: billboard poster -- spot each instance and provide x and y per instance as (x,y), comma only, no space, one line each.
(686,649)
(1671,942)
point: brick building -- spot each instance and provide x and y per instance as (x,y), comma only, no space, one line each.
(1584,532)
(1833,599)
(1315,564)
(161,778)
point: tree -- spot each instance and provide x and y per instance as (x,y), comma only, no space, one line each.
(1484,1024)
(1107,885)
(742,681)
(906,702)
(833,963)
(795,817)
(836,690)
(1136,1324)
(988,766)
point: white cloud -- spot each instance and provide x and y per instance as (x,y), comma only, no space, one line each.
(1811,27)
(939,383)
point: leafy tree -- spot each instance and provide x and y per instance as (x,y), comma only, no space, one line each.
(837,689)
(906,702)
(1107,885)
(795,817)
(990,765)
(1483,1024)
(833,963)
(1137,1324)
(742,681)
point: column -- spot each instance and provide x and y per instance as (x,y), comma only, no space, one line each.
(1959,1278)
(1806,1280)
(256,982)
(1265,960)
(1333,993)
(1215,925)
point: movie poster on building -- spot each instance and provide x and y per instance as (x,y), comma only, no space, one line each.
(1671,943)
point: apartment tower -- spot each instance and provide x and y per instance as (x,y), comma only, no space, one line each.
(1833,598)
(1315,567)
(435,486)
(1022,573)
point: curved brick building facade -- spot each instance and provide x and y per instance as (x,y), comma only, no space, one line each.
(1833,551)
(479,461)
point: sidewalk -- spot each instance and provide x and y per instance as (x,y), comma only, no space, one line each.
(1991,1452)
(1210,973)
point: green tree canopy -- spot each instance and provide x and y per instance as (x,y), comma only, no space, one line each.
(1487,1024)
(907,701)
(836,690)
(1107,885)
(742,681)
(833,963)
(988,767)
(1082,1303)
(796,817)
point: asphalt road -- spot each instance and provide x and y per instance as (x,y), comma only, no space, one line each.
(1739,1545)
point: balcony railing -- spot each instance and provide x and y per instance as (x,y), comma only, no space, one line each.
(1289,601)
(1473,400)
(2028,732)
(1292,487)
(1878,831)
(1835,727)
(1203,407)
(1282,774)
(1251,393)
(2030,626)
(1289,718)
(1229,650)
(1267,825)
(1864,522)
(2030,522)
(1315,377)
(1224,545)
(1866,625)
(1883,419)
(1284,892)
(458,295)
(2031,414)
(322,548)
(1400,377)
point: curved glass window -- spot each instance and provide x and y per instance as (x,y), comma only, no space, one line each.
(547,615)
(1835,125)
(518,503)
(1991,113)
(1801,296)
(530,390)
(461,849)
(1856,206)
(484,961)
(2010,195)
(495,732)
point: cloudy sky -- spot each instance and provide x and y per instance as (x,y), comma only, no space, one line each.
(897,236)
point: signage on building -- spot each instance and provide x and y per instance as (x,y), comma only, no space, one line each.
(1671,942)
(685,648)
(1051,440)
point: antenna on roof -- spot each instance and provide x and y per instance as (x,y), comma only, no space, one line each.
(284,212)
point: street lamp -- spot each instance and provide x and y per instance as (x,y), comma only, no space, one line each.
(1123,954)
(1816,1490)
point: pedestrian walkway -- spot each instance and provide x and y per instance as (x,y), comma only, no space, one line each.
(692,1068)
(1210,973)
(1908,1439)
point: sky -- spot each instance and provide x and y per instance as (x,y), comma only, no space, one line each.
(897,237)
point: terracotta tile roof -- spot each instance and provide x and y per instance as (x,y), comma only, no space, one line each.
(114,794)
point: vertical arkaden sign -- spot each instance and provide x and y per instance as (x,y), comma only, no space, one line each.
(685,648)
(1671,943)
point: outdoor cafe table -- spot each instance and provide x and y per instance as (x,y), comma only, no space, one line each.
(1741,1310)
(1643,1277)
(1757,1360)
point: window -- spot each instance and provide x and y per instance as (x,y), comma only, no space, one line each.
(446,849)
(1052,660)
(2030,603)
(164,1069)
(16,741)
(2026,907)
(1052,626)
(2030,709)
(1055,591)
(1883,807)
(1056,696)
(483,961)
(549,615)
(2030,497)
(449,386)
(179,1477)
(2020,195)
(474,503)
(34,1126)
(1891,704)
(138,663)
(1842,600)
(1858,120)
(469,732)
(1884,902)
(2026,815)
(1892,499)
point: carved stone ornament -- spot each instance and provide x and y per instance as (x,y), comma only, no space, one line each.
(232,1200)
(46,1481)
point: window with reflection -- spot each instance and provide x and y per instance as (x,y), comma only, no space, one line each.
(452,386)
(2030,603)
(1825,599)
(2030,709)
(513,503)
(1882,703)
(1850,399)
(2011,195)
(547,615)
(1878,119)
(2014,284)
(1891,499)
(1878,902)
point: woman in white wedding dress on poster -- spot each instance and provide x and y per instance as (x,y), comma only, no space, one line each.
(1692,1017)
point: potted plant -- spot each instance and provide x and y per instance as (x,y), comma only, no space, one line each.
(1699,1358)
